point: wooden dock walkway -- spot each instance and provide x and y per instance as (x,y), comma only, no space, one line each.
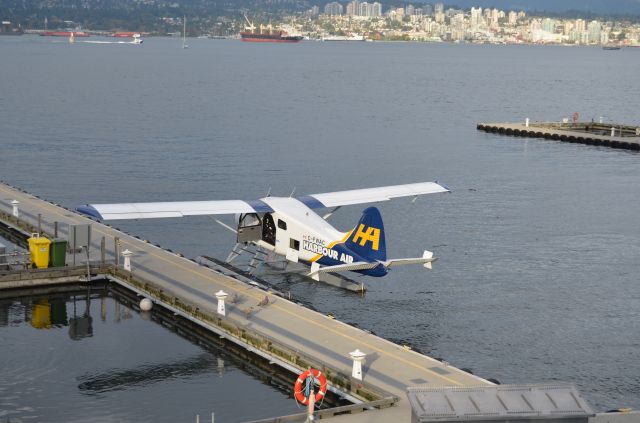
(601,134)
(289,334)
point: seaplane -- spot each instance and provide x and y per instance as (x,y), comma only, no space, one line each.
(291,228)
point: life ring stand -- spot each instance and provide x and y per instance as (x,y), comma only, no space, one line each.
(298,388)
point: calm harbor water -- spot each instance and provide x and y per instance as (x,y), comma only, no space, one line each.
(85,356)
(539,245)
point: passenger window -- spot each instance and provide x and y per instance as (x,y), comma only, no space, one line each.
(294,244)
(282,224)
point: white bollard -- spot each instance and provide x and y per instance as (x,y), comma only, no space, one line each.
(358,357)
(526,122)
(221,295)
(15,203)
(127,259)
(613,131)
(146,304)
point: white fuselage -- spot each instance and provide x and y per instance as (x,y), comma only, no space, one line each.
(301,234)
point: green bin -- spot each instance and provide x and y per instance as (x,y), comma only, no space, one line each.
(58,252)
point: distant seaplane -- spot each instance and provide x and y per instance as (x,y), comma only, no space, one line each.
(290,227)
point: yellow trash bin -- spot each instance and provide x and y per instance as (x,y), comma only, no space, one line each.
(39,249)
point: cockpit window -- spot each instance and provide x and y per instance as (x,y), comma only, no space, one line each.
(282,224)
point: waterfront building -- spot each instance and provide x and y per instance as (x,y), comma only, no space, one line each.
(549,25)
(494,18)
(476,18)
(568,27)
(594,29)
(513,18)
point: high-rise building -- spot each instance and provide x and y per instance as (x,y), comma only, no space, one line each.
(513,18)
(549,25)
(568,27)
(439,8)
(495,15)
(594,30)
(580,25)
(376,9)
(410,10)
(353,8)
(476,18)
(333,9)
(427,9)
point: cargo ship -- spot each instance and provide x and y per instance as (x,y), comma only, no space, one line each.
(266,34)
(64,34)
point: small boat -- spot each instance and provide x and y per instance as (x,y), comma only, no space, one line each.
(7,29)
(184,33)
(611,47)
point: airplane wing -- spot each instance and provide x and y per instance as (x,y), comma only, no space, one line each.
(172,209)
(370,195)
(314,201)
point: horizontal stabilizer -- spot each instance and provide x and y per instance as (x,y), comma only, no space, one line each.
(359,265)
(427,259)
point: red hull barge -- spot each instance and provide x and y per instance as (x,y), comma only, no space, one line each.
(124,34)
(63,34)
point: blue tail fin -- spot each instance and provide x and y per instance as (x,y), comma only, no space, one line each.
(367,238)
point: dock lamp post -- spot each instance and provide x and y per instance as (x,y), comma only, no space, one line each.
(221,295)
(358,357)
(15,203)
(127,259)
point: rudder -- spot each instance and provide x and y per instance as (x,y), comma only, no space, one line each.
(367,238)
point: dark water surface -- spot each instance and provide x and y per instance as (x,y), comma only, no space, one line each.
(539,242)
(85,356)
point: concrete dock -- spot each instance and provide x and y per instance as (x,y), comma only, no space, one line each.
(287,333)
(601,134)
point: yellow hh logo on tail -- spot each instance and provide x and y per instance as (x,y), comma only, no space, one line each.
(371,235)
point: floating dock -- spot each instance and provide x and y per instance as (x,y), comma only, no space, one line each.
(283,333)
(602,134)
(288,334)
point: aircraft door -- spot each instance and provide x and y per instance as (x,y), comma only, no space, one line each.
(249,228)
(282,237)
(269,229)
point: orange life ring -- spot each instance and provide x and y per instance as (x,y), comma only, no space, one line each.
(298,389)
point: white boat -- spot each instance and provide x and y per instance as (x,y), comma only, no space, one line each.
(354,37)
(184,33)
